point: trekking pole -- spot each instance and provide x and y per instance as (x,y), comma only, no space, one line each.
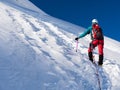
(76,45)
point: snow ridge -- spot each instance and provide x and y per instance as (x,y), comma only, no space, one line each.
(39,53)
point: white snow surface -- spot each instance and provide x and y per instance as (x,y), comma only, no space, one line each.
(38,52)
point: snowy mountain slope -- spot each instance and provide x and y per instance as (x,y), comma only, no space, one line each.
(27,7)
(38,53)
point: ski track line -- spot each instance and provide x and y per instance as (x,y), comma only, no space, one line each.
(103,80)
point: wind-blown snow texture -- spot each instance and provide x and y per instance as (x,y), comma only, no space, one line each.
(37,52)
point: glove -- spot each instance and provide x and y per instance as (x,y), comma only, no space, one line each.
(76,38)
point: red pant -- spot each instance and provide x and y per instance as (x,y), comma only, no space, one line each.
(99,43)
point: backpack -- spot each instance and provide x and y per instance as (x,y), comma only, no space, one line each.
(96,32)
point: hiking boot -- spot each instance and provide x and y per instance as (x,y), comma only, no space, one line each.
(90,56)
(99,64)
(100,60)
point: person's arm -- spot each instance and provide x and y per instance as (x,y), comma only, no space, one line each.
(85,33)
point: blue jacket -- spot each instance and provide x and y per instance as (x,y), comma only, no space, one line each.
(88,31)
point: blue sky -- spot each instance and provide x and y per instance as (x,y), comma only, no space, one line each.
(81,12)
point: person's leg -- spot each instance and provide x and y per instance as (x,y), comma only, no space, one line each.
(101,54)
(92,45)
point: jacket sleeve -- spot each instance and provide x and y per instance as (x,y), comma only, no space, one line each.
(85,32)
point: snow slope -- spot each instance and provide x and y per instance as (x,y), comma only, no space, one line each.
(37,52)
